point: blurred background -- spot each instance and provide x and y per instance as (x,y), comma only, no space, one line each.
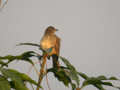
(89,32)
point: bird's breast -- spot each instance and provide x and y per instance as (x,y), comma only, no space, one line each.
(47,42)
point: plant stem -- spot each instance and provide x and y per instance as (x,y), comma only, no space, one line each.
(42,71)
(0,2)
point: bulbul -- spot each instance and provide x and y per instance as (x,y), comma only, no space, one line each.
(50,43)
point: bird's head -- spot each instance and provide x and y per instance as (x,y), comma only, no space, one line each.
(50,30)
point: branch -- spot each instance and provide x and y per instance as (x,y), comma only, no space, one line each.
(0,2)
(2,5)
(42,71)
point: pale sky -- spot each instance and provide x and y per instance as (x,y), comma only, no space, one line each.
(89,32)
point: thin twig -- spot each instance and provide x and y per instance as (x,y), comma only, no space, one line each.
(34,68)
(47,79)
(42,71)
(32,86)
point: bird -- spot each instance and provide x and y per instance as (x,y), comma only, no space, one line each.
(50,43)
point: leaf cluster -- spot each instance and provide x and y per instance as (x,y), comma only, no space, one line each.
(97,82)
(67,73)
(14,79)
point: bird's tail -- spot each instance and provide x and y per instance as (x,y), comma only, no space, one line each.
(55,61)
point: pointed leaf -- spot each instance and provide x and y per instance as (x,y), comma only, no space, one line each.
(85,83)
(113,78)
(98,86)
(31,44)
(24,57)
(73,86)
(83,75)
(91,81)
(14,76)
(60,75)
(27,78)
(107,83)
(4,84)
(102,77)
(3,63)
(73,74)
(67,63)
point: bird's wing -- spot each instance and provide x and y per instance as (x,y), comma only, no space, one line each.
(56,54)
(57,45)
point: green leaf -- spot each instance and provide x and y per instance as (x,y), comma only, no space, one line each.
(60,75)
(3,63)
(97,82)
(4,84)
(102,77)
(93,81)
(83,75)
(105,78)
(9,57)
(73,86)
(107,84)
(85,83)
(99,86)
(28,79)
(12,84)
(31,44)
(67,63)
(72,73)
(24,57)
(14,76)
(113,78)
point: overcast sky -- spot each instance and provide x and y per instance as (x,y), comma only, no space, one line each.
(89,29)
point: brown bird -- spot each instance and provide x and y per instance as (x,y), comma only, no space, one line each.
(51,44)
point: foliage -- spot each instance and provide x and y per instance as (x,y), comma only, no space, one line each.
(4,84)
(3,3)
(67,74)
(98,82)
(14,79)
(24,56)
